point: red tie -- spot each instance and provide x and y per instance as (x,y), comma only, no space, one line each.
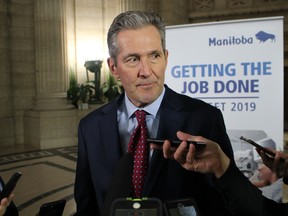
(138,148)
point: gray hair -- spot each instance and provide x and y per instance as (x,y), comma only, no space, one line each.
(133,20)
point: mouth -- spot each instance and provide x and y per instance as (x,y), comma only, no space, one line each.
(145,85)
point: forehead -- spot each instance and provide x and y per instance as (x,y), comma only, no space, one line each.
(143,37)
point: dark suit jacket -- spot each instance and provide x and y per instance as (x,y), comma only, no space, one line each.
(11,209)
(100,149)
(243,198)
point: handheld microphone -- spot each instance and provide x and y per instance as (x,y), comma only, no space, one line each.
(121,182)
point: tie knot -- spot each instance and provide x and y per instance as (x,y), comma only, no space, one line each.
(140,116)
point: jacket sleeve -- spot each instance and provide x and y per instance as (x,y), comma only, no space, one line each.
(84,193)
(243,198)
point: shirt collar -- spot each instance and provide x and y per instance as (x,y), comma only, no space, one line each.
(152,108)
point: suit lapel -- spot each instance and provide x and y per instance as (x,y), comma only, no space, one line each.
(110,132)
(170,122)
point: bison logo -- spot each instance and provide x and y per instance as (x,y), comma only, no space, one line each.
(263,36)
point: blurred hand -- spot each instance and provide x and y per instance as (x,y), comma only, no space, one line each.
(279,164)
(5,203)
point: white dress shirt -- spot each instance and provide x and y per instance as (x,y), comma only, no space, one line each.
(127,122)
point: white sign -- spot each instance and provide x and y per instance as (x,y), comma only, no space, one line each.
(236,66)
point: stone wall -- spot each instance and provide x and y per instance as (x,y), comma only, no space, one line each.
(22,61)
(6,113)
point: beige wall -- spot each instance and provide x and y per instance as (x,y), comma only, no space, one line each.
(16,69)
(41,40)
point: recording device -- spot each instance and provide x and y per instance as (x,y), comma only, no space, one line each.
(10,186)
(267,151)
(186,206)
(55,208)
(136,207)
(176,143)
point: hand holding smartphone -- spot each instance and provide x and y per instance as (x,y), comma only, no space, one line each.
(267,151)
(10,186)
(176,143)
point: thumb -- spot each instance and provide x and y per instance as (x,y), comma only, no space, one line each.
(184,136)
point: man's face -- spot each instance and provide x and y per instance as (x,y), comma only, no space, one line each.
(141,64)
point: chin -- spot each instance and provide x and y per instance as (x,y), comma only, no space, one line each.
(148,99)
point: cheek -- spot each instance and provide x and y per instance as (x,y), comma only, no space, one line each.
(125,75)
(127,81)
(160,71)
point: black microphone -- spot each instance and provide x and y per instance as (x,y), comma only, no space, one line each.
(121,182)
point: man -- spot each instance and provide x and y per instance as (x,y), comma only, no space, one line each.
(242,197)
(138,57)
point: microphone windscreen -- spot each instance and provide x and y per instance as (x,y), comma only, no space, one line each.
(121,182)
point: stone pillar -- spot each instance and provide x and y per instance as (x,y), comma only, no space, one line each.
(6,108)
(126,5)
(50,55)
(52,122)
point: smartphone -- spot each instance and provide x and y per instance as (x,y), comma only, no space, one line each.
(136,207)
(186,206)
(55,208)
(10,185)
(267,151)
(176,143)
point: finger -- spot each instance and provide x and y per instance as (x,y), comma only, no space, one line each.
(268,161)
(279,165)
(183,136)
(155,146)
(277,160)
(190,157)
(167,150)
(4,202)
(10,198)
(181,152)
(283,155)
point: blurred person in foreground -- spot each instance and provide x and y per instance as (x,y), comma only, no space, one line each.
(138,57)
(7,206)
(241,196)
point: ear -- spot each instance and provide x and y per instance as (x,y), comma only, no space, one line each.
(112,67)
(166,53)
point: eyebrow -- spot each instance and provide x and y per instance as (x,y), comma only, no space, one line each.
(138,55)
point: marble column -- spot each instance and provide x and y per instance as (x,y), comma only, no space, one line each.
(50,55)
(6,108)
(126,5)
(52,122)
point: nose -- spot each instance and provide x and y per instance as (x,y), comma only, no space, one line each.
(145,68)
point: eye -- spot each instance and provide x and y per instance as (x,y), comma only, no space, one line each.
(132,61)
(154,57)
